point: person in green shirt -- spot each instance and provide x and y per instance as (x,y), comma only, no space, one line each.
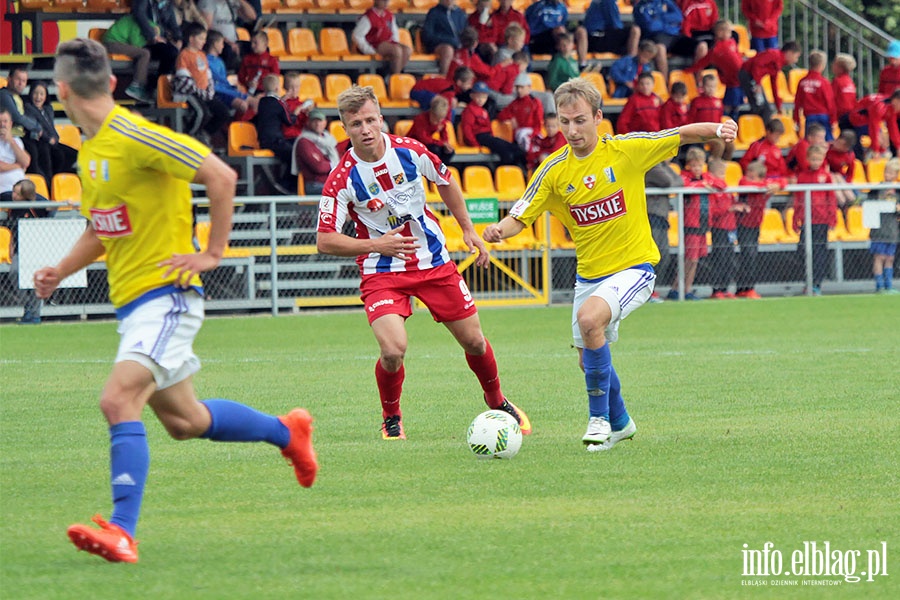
(562,66)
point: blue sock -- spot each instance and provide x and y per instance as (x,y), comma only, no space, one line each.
(129,458)
(879,281)
(235,422)
(597,368)
(618,416)
(888,277)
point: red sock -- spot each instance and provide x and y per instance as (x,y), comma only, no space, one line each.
(390,385)
(485,368)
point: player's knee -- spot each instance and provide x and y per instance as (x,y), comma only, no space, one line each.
(474,345)
(182,429)
(392,358)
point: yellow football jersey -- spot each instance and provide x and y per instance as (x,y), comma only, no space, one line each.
(135,178)
(601,200)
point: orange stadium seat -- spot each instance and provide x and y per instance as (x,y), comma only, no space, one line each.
(328,6)
(687,79)
(794,77)
(771,230)
(659,86)
(333,42)
(743,40)
(399,87)
(502,129)
(311,88)
(166,104)
(69,135)
(673,228)
(336,128)
(296,6)
(40,184)
(5,240)
(537,82)
(733,173)
(276,42)
(377,84)
(407,40)
(65,187)
(270,6)
(335,83)
(750,129)
(605,127)
(402,126)
(302,43)
(242,34)
(789,138)
(559,236)
(600,83)
(509,182)
(478,181)
(243,140)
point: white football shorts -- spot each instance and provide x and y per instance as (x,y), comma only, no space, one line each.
(624,291)
(159,334)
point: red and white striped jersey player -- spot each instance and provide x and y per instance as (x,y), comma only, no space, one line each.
(380,185)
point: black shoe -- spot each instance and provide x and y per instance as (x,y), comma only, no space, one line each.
(392,428)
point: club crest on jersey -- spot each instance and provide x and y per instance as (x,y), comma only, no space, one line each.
(589,181)
(92,169)
(373,188)
(570,188)
(375,205)
(398,179)
(610,176)
(104,170)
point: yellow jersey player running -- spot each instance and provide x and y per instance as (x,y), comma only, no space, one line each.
(596,188)
(136,196)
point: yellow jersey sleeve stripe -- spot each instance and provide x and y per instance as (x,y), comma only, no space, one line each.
(184,154)
(648,135)
(542,172)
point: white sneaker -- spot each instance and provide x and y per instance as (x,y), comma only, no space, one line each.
(626,433)
(598,431)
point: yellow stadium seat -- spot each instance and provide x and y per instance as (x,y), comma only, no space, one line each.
(559,236)
(687,79)
(65,187)
(69,135)
(478,182)
(720,87)
(537,82)
(875,169)
(509,182)
(335,83)
(270,6)
(276,42)
(673,228)
(296,6)
(399,87)
(243,140)
(336,128)
(600,83)
(502,129)
(791,235)
(242,34)
(771,231)
(40,184)
(407,40)
(453,233)
(794,77)
(333,42)
(789,138)
(302,43)
(855,227)
(459,143)
(376,82)
(5,240)
(750,129)
(311,88)
(859,172)
(605,127)
(524,240)
(201,232)
(743,40)
(660,87)
(402,126)
(839,233)
(733,173)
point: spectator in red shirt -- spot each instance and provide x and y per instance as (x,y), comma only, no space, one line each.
(763,17)
(815,96)
(674,111)
(430,128)
(505,15)
(315,154)
(455,90)
(768,63)
(823,205)
(257,64)
(889,78)
(722,208)
(295,105)
(867,117)
(376,32)
(766,150)
(489,37)
(475,125)
(699,19)
(525,112)
(708,108)
(641,112)
(543,146)
(749,217)
(726,58)
(840,158)
(842,84)
(796,158)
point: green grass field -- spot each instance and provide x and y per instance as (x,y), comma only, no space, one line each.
(769,421)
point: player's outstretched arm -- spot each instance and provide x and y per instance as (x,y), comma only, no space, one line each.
(85,251)
(506,228)
(393,243)
(220,181)
(452,197)
(699,133)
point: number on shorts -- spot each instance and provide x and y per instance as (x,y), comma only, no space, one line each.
(467,295)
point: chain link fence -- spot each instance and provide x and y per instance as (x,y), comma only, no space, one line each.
(272,265)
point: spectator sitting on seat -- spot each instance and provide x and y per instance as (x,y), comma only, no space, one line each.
(475,124)
(440,32)
(223,15)
(187,11)
(14,159)
(503,17)
(242,104)
(660,22)
(767,151)
(23,191)
(698,20)
(842,84)
(603,31)
(868,116)
(768,63)
(641,112)
(271,117)
(889,77)
(726,58)
(526,113)
(815,97)
(142,40)
(296,106)
(514,39)
(194,84)
(562,66)
(546,19)
(674,111)
(455,90)
(24,127)
(707,107)
(376,33)
(624,71)
(56,156)
(430,128)
(814,136)
(315,154)
(841,161)
(749,219)
(466,56)
(489,37)
(257,64)
(763,17)
(885,237)
(542,145)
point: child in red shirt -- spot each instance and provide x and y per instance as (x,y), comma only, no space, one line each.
(768,63)
(796,158)
(841,161)
(726,58)
(823,206)
(722,224)
(430,128)
(543,146)
(842,84)
(767,151)
(674,111)
(525,112)
(763,17)
(749,216)
(889,78)
(295,105)
(815,96)
(475,125)
(707,107)
(257,64)
(641,111)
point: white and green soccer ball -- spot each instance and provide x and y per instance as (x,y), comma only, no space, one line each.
(494,434)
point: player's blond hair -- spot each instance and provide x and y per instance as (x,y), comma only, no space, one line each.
(353,98)
(569,92)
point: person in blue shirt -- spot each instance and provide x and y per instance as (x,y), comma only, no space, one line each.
(545,19)
(226,92)
(440,32)
(660,22)
(603,31)
(624,72)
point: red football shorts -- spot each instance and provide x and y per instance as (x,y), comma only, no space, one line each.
(442,289)
(695,246)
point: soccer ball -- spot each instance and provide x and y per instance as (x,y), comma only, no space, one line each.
(494,434)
